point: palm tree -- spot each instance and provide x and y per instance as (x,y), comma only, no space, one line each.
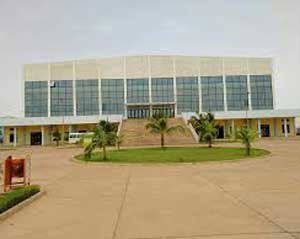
(209,133)
(199,122)
(119,140)
(247,136)
(159,125)
(107,126)
(101,139)
(56,137)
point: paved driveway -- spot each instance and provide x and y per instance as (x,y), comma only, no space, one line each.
(248,199)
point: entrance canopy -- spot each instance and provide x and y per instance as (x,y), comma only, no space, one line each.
(251,114)
(66,120)
(148,110)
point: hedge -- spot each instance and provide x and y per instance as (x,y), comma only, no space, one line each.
(12,198)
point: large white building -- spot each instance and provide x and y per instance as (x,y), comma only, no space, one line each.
(75,95)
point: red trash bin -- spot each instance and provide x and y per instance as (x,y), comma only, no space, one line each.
(14,172)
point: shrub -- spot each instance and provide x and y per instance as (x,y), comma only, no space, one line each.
(103,136)
(14,197)
(247,136)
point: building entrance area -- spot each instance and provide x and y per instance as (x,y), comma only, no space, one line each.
(220,132)
(165,110)
(141,112)
(138,112)
(36,138)
(265,130)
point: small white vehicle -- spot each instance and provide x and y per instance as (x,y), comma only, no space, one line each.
(75,137)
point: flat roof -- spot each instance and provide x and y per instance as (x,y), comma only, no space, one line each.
(253,114)
(37,121)
(73,120)
(93,60)
(258,114)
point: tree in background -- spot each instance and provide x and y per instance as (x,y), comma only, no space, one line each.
(103,136)
(247,136)
(56,136)
(200,122)
(1,135)
(159,125)
(107,126)
(119,140)
(209,133)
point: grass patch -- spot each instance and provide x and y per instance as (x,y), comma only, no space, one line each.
(173,155)
(14,197)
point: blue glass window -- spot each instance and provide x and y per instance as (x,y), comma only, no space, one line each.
(187,94)
(237,92)
(212,93)
(137,90)
(36,99)
(261,92)
(162,90)
(62,98)
(112,91)
(87,97)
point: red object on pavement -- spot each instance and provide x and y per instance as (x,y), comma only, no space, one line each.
(15,173)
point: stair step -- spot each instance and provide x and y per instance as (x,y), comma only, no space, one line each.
(135,133)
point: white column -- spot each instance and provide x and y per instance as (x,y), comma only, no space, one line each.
(224,86)
(43,135)
(23,91)
(24,133)
(3,134)
(295,127)
(99,91)
(249,86)
(125,86)
(275,127)
(49,89)
(150,83)
(70,129)
(15,137)
(285,127)
(74,89)
(232,127)
(259,128)
(199,89)
(174,85)
(273,75)
(249,93)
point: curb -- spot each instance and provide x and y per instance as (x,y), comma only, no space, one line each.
(110,163)
(21,205)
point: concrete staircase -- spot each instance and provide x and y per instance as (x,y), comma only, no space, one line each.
(135,134)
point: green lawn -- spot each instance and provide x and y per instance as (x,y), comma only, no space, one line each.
(173,155)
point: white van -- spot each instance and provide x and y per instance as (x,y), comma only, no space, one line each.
(75,137)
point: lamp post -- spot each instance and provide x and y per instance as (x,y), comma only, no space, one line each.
(61,100)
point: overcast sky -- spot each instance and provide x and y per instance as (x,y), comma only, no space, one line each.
(41,31)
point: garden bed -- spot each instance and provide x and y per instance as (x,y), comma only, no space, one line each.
(16,196)
(173,155)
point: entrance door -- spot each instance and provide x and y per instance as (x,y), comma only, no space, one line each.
(220,132)
(265,130)
(36,138)
(138,112)
(165,110)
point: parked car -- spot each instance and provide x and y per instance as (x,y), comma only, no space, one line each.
(76,137)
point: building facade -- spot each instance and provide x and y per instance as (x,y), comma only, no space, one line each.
(76,94)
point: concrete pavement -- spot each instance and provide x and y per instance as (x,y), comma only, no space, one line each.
(247,199)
